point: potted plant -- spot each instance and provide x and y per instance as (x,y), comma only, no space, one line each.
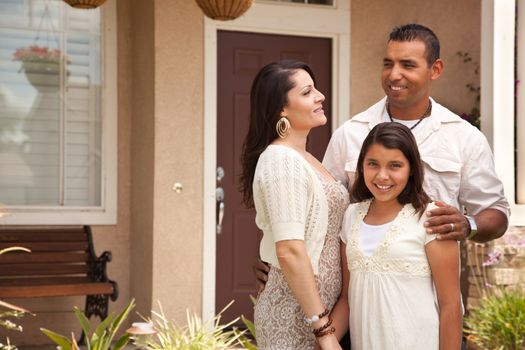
(37,61)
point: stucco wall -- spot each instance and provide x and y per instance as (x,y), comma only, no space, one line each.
(179,125)
(141,80)
(457,25)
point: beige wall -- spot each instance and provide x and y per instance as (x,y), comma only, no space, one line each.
(457,25)
(140,77)
(179,143)
(166,74)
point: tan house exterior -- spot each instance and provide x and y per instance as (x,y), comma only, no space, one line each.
(161,240)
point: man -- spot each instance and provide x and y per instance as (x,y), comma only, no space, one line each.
(458,162)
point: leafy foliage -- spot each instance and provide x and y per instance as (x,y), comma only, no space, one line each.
(499,321)
(103,335)
(195,335)
(13,310)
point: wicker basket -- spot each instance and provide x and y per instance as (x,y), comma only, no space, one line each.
(85,4)
(224,10)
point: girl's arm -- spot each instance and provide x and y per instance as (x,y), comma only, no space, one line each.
(299,275)
(443,257)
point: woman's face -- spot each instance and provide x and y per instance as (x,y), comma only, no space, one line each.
(305,103)
(386,172)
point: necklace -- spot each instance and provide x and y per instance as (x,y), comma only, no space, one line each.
(426,114)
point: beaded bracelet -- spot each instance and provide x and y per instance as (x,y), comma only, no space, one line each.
(316,318)
(331,330)
(323,327)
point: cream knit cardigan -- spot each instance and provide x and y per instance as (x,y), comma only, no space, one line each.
(290,203)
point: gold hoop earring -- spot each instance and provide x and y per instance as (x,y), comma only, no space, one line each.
(283,127)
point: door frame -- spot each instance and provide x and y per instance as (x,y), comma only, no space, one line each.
(266,18)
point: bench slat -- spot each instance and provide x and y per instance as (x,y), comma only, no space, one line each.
(39,281)
(49,246)
(56,290)
(42,269)
(35,257)
(19,237)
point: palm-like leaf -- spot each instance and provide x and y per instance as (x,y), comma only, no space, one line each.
(60,340)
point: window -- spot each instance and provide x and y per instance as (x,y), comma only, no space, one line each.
(53,157)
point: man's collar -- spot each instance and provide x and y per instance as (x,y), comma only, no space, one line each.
(374,114)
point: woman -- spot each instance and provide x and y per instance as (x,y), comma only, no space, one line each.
(299,209)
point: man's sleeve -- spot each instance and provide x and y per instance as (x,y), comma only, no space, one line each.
(334,158)
(480,186)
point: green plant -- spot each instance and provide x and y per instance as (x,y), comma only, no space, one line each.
(473,116)
(195,335)
(101,337)
(247,342)
(13,310)
(499,321)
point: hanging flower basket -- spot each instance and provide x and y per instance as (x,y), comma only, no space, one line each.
(85,4)
(224,10)
(40,64)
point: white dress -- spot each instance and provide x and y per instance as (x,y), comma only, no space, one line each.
(391,294)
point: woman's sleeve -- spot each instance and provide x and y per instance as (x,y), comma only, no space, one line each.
(283,184)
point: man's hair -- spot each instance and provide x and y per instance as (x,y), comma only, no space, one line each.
(411,32)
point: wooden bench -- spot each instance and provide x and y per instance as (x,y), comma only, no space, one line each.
(62,262)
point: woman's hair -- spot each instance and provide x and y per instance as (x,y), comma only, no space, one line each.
(268,97)
(393,136)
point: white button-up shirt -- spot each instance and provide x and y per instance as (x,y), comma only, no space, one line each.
(458,162)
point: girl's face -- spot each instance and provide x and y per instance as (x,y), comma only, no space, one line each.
(386,172)
(305,103)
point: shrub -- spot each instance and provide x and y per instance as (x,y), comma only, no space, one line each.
(499,321)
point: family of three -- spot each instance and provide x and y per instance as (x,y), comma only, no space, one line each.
(366,242)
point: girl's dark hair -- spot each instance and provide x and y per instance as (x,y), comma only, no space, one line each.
(393,136)
(268,97)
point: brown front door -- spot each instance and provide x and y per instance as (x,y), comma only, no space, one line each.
(239,58)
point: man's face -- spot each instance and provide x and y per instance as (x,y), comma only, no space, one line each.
(406,76)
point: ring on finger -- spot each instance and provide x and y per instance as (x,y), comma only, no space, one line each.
(452,227)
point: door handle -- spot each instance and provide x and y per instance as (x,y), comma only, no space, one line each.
(219,196)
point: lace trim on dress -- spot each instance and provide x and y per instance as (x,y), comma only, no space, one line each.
(379,261)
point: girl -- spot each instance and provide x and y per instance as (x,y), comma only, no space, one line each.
(401,283)
(299,208)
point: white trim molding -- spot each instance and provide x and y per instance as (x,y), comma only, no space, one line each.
(497,93)
(271,18)
(106,213)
